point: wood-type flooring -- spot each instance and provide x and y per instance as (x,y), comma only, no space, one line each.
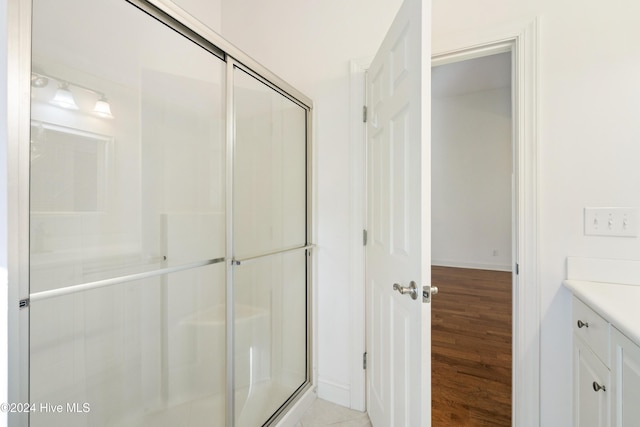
(471,348)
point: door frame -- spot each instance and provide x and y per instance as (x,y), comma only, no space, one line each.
(521,38)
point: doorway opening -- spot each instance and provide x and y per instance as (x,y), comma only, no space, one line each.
(521,41)
(473,240)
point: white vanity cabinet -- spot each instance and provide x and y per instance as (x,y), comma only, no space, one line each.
(591,374)
(625,366)
(606,341)
(606,372)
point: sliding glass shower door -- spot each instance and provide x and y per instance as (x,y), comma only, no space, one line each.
(141,249)
(270,249)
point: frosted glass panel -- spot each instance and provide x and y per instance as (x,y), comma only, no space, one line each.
(270,169)
(270,334)
(138,191)
(145,353)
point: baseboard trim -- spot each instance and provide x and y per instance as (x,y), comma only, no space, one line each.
(339,394)
(472,265)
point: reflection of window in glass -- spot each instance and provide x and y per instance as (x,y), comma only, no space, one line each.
(68,169)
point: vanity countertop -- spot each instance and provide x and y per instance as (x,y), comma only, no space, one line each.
(619,304)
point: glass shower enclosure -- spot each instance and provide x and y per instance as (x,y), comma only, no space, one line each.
(169,252)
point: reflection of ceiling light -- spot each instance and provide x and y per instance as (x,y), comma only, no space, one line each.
(102,108)
(64,97)
(38,80)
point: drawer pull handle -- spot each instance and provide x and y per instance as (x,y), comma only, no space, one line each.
(582,324)
(597,387)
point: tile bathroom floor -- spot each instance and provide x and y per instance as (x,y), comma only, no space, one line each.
(323,414)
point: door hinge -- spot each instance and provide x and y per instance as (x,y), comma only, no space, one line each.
(364,237)
(23,303)
(364,360)
(364,114)
(517,269)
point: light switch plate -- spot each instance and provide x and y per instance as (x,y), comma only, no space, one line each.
(618,222)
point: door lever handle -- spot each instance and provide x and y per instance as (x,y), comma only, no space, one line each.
(412,289)
(428,292)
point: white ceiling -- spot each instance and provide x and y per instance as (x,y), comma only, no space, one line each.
(473,75)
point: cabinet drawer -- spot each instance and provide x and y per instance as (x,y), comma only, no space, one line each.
(592,329)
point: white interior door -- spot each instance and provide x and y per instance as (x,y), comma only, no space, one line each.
(398,223)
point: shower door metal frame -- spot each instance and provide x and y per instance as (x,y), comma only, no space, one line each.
(18,122)
(18,125)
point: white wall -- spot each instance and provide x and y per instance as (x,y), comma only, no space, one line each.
(309,44)
(471,171)
(588,145)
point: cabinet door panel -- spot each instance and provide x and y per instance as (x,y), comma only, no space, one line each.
(591,406)
(626,365)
